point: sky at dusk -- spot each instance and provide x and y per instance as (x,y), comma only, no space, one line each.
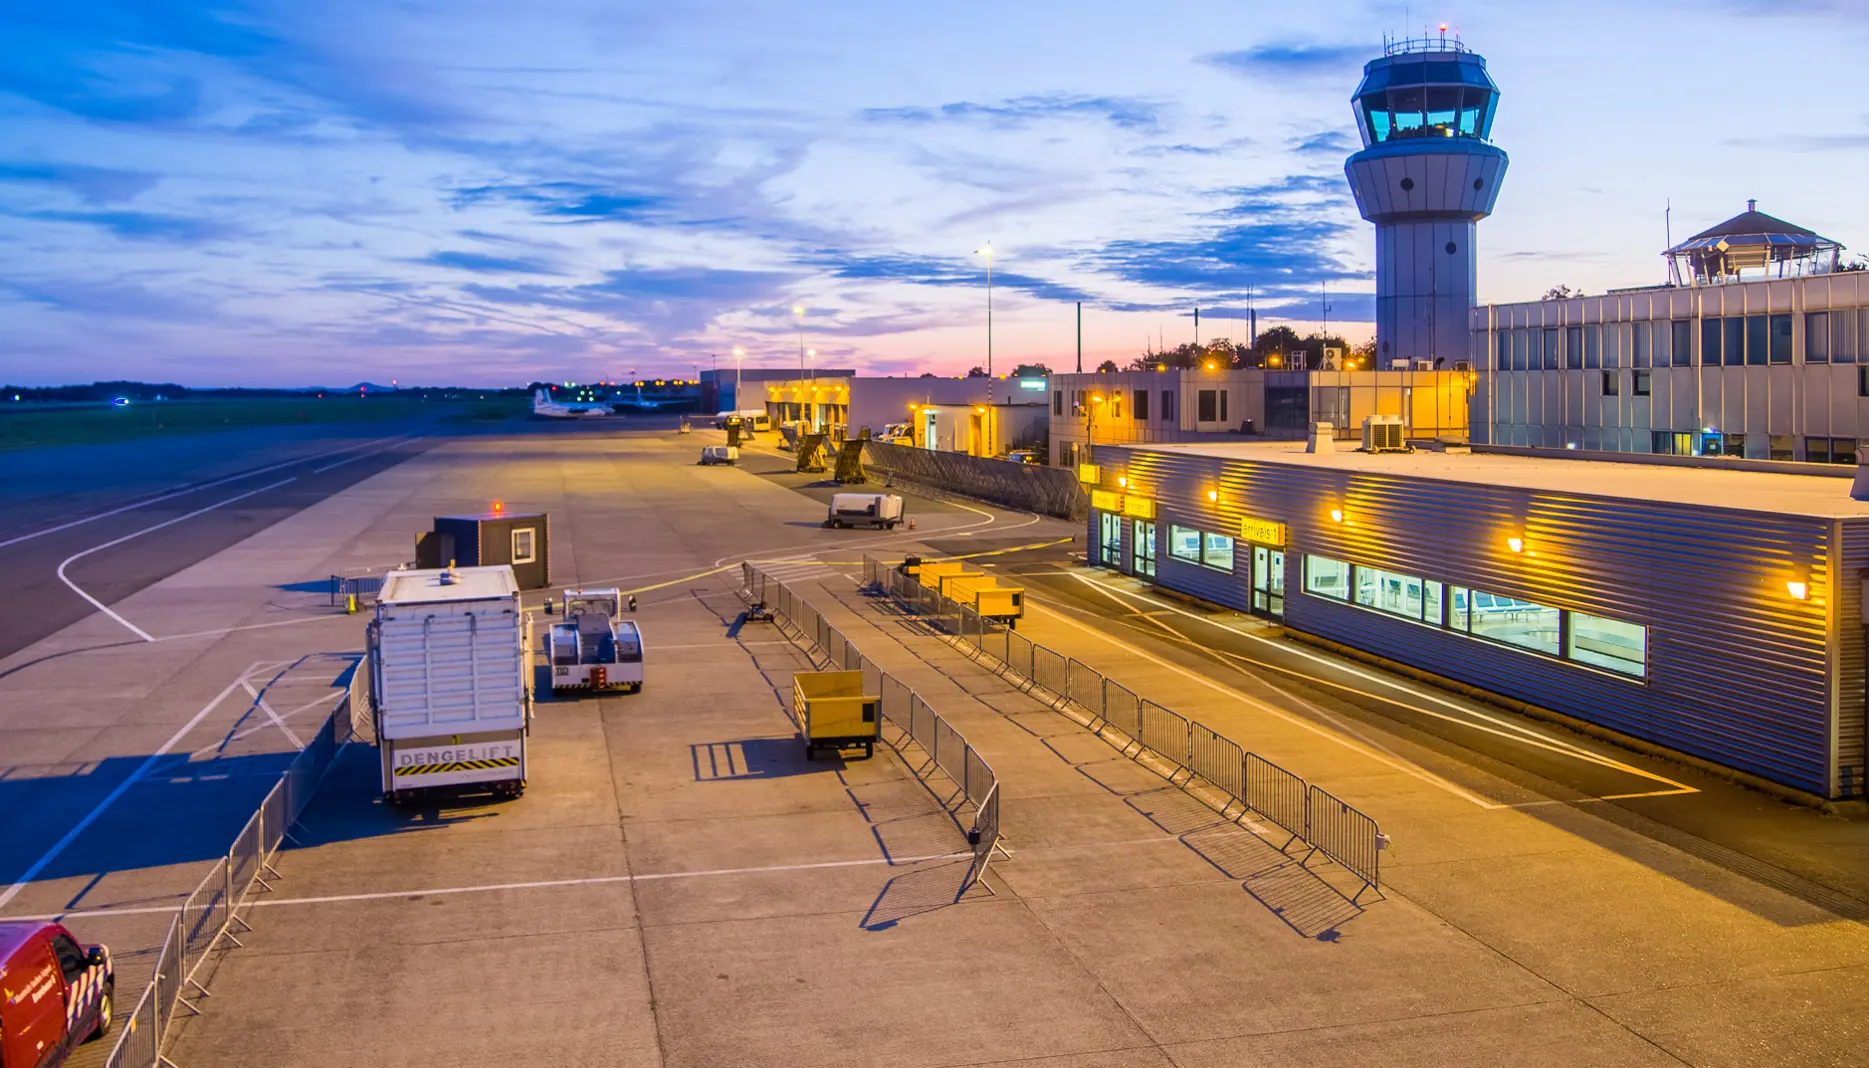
(267,193)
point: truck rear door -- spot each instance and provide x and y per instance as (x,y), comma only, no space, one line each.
(32,1003)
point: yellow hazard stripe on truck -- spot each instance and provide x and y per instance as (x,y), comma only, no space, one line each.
(459,765)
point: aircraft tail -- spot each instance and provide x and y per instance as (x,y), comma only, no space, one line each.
(539,399)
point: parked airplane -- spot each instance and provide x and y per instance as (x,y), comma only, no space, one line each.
(551,409)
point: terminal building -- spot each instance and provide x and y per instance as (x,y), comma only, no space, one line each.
(1757,347)
(1715,610)
(974,415)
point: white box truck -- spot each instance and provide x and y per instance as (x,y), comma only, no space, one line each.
(451,656)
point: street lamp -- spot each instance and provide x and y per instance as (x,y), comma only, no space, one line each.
(798,312)
(739,355)
(987,251)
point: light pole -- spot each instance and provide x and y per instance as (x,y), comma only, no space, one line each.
(992,441)
(813,356)
(739,355)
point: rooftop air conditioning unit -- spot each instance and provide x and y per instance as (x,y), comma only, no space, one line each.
(1463,365)
(1424,365)
(1398,365)
(1383,433)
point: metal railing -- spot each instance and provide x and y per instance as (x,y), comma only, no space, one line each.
(1245,782)
(212,913)
(947,749)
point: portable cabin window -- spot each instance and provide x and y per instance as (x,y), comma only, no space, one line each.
(1223,405)
(1817,337)
(1207,401)
(1116,404)
(1609,643)
(525,545)
(1327,578)
(1612,381)
(1217,552)
(1681,347)
(1184,543)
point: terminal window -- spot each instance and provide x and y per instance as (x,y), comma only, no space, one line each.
(1327,578)
(1733,345)
(1142,406)
(1817,337)
(1681,349)
(1781,339)
(1217,552)
(1206,401)
(1168,406)
(1184,543)
(1573,347)
(1609,643)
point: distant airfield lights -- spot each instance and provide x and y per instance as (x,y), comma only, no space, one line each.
(1161,367)
(1798,590)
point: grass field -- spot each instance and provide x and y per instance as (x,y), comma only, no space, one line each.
(93,425)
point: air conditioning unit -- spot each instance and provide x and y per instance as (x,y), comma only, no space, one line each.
(1398,365)
(1383,433)
(1424,365)
(1463,365)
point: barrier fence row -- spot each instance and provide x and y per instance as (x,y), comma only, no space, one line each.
(212,913)
(1248,782)
(947,749)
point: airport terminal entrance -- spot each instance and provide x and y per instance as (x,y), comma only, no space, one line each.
(1268,581)
(1142,549)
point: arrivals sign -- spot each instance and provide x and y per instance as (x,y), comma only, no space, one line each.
(1263,531)
(1140,507)
(1105,501)
(1089,473)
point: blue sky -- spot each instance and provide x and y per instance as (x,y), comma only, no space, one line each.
(270,193)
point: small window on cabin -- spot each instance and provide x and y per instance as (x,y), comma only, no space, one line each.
(525,545)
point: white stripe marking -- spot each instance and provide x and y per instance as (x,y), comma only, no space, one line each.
(185,491)
(129,781)
(99,605)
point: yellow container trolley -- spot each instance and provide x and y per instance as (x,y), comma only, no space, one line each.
(929,573)
(834,712)
(985,595)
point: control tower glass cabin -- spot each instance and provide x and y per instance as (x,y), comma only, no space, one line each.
(1427,173)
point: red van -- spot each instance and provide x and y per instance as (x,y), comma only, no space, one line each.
(54,993)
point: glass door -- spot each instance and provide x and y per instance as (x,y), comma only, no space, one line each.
(1142,548)
(1109,539)
(1268,581)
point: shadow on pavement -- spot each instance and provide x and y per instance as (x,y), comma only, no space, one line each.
(753,758)
(934,885)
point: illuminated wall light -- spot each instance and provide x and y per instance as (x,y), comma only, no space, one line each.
(1336,515)
(1213,495)
(1517,545)
(1122,480)
(1798,590)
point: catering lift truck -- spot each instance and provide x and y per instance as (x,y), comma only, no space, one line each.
(450,651)
(595,648)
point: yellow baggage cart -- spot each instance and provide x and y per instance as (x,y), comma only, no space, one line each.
(834,712)
(989,598)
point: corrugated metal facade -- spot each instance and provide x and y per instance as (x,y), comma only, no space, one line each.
(1739,672)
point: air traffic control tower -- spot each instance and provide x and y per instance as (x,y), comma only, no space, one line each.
(1425,176)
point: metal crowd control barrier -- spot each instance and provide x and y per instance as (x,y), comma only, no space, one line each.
(211,913)
(1343,834)
(945,746)
(1309,814)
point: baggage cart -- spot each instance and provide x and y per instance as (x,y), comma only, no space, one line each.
(834,713)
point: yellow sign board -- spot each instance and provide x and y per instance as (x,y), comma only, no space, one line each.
(1263,531)
(1140,507)
(1105,501)
(1089,473)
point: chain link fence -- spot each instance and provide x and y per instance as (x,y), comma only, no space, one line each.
(211,915)
(1247,782)
(946,749)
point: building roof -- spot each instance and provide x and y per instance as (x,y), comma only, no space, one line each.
(1706,487)
(469,584)
(1753,221)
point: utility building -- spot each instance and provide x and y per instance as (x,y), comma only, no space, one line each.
(1426,175)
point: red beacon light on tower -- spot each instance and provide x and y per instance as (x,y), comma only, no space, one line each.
(498,507)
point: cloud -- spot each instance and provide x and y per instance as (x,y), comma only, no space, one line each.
(1128,113)
(1327,143)
(110,300)
(941,271)
(94,185)
(141,225)
(668,301)
(1290,60)
(1806,142)
(484,264)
